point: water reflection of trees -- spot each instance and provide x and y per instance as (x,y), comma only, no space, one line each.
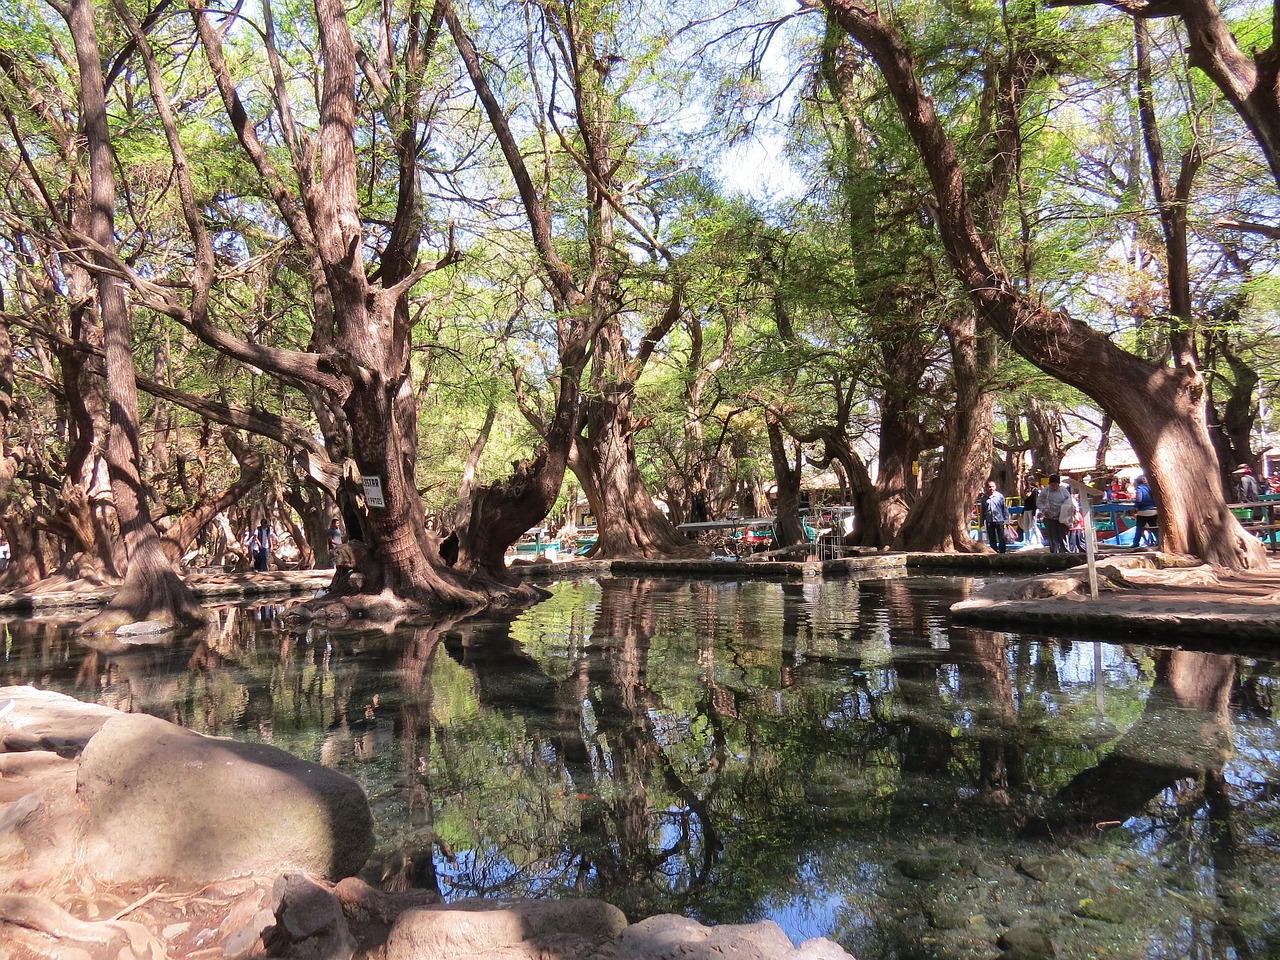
(713,744)
(712,748)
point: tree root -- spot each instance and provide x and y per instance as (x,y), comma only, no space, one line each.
(43,916)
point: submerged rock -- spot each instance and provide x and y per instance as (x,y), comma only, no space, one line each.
(1028,941)
(920,867)
(669,937)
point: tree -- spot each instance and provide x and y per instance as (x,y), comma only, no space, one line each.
(51,295)
(1251,83)
(899,286)
(578,317)
(360,257)
(579,48)
(1160,408)
(152,589)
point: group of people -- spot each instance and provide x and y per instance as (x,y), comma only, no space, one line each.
(261,540)
(1056,508)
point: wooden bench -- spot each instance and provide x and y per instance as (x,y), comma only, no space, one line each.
(1266,532)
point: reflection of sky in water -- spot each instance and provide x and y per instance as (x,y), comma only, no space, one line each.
(739,752)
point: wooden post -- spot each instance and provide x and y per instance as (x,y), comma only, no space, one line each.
(1090,543)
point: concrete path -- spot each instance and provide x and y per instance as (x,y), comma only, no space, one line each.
(1150,598)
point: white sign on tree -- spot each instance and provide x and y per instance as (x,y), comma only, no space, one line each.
(373,491)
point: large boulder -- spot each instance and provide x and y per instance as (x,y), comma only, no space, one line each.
(516,929)
(670,937)
(165,803)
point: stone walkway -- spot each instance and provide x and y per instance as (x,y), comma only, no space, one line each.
(1147,597)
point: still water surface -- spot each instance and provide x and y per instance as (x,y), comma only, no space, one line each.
(832,755)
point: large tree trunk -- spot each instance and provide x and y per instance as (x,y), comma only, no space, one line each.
(409,568)
(152,589)
(864,495)
(86,479)
(1160,409)
(630,524)
(504,510)
(1104,444)
(700,464)
(1045,434)
(940,519)
(1239,411)
(15,520)
(788,530)
(901,440)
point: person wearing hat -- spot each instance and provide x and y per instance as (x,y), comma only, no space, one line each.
(1247,490)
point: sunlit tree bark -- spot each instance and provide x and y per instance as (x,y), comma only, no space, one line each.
(152,589)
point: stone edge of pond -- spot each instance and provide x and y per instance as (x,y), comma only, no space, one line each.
(868,562)
(211,586)
(244,585)
(1141,624)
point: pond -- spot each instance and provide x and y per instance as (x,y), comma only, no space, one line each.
(834,755)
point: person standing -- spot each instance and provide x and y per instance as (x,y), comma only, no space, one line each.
(260,546)
(1054,500)
(1075,533)
(995,514)
(1030,525)
(1247,489)
(253,546)
(335,539)
(1144,511)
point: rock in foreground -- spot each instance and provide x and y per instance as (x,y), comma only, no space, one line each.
(119,833)
(243,808)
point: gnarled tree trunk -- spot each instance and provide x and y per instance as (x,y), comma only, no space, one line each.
(901,440)
(152,589)
(628,521)
(939,520)
(788,530)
